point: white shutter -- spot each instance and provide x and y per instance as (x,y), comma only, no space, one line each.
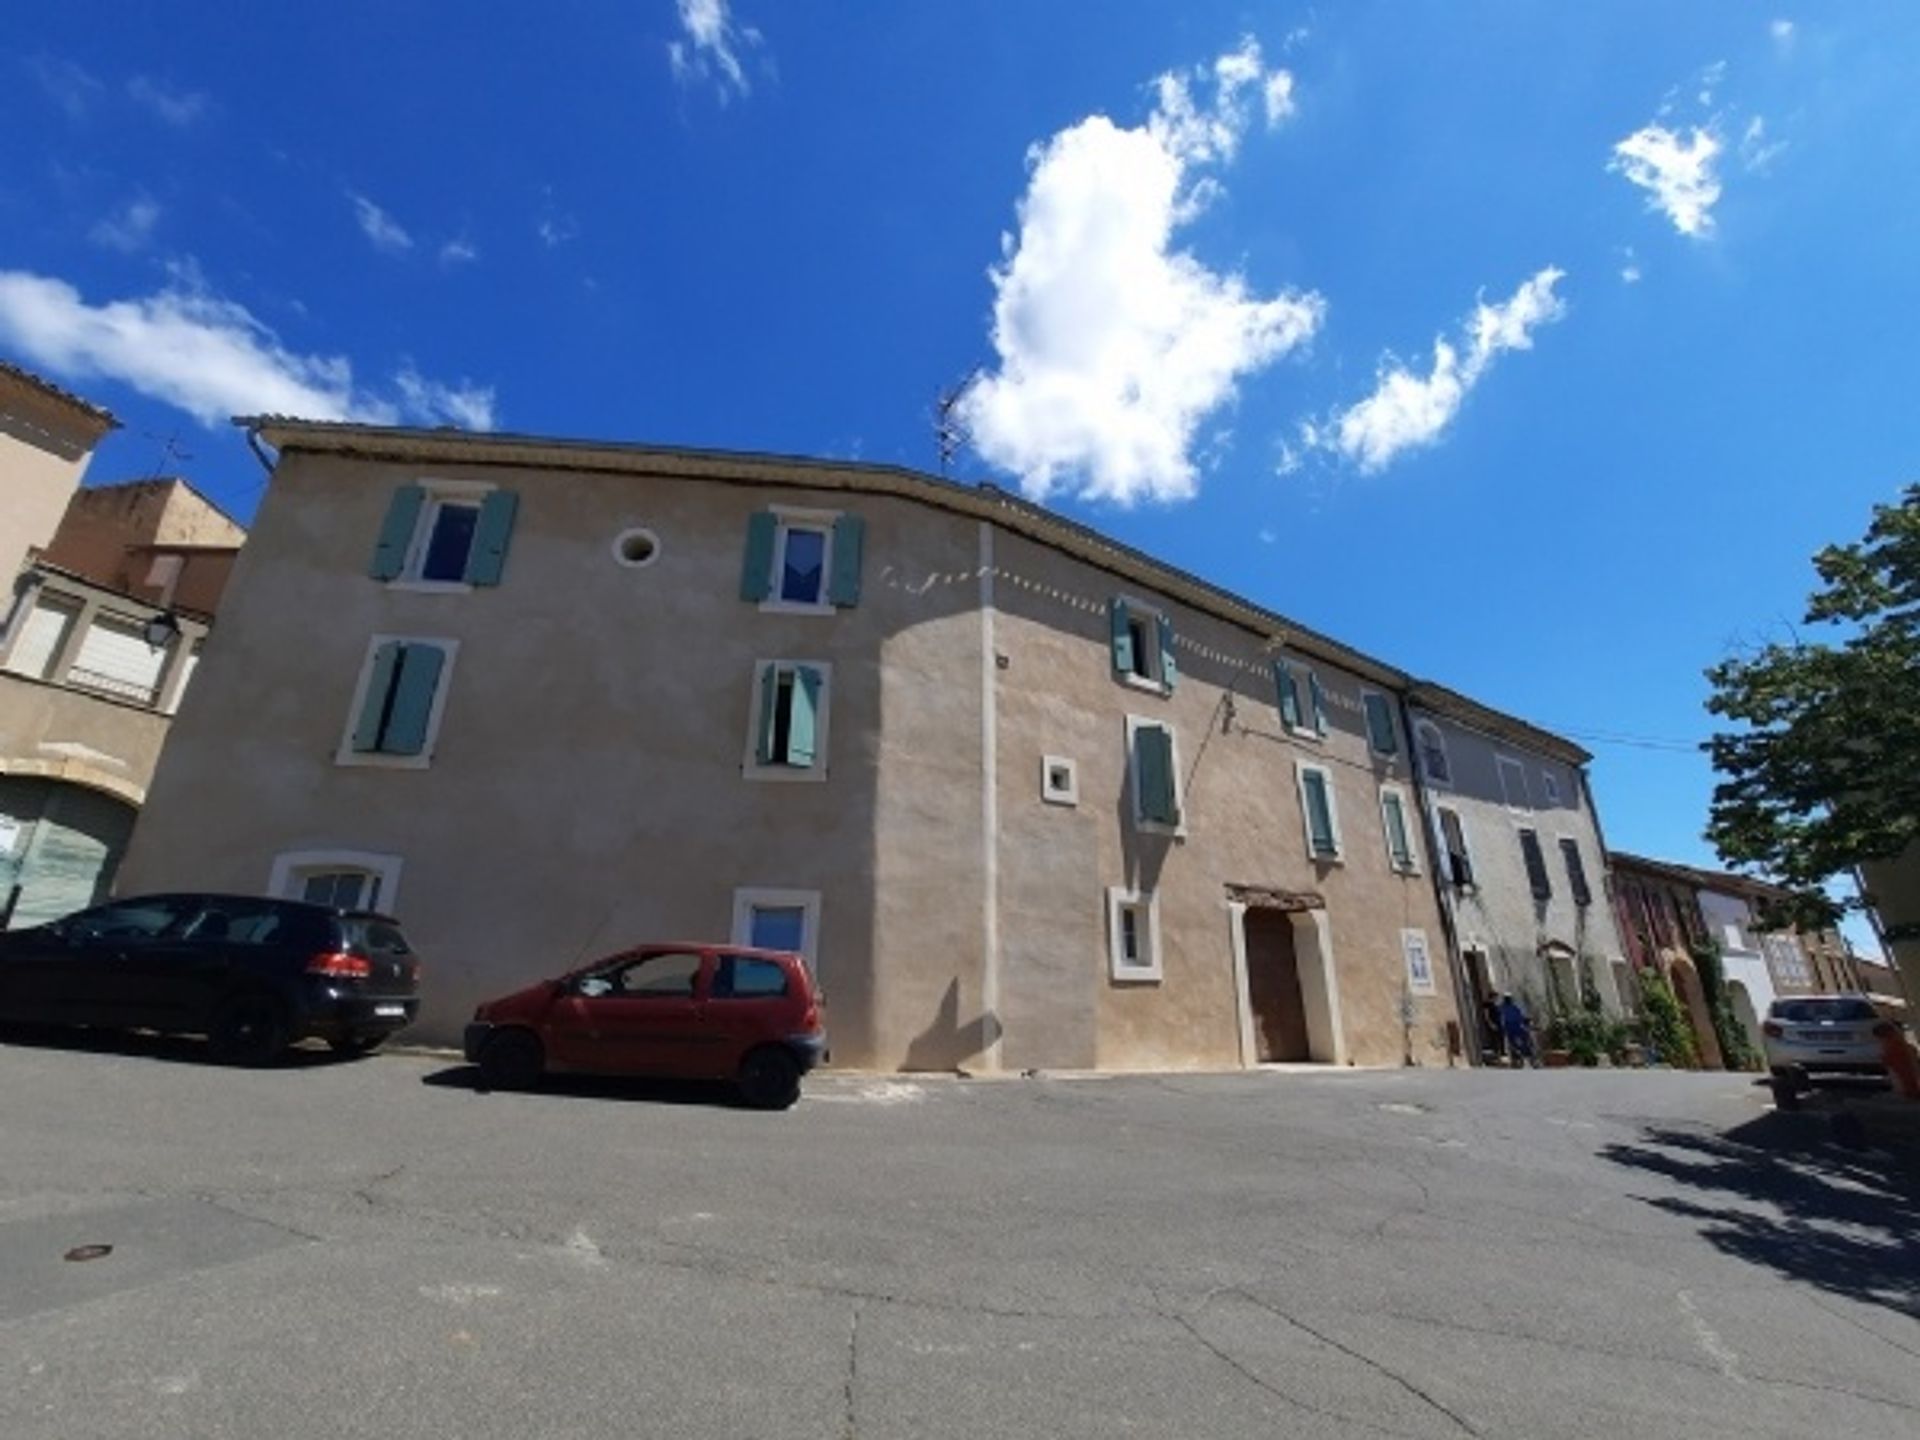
(187,666)
(115,659)
(41,636)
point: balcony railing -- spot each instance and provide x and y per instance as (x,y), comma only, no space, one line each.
(112,685)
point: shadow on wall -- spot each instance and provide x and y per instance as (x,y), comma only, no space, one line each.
(1787,1195)
(945,1041)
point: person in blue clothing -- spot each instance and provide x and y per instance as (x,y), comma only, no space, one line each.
(1517,1032)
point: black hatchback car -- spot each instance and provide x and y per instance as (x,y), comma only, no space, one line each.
(252,975)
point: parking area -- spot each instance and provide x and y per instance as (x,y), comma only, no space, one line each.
(378,1248)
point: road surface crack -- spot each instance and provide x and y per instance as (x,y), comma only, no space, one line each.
(849,1428)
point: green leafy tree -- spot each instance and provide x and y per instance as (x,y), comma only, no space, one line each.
(1822,769)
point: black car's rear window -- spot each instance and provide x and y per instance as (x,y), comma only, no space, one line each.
(375,937)
(1812,1012)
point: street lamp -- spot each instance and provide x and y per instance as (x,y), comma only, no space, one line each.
(162,630)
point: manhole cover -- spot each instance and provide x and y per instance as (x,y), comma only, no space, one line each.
(89,1252)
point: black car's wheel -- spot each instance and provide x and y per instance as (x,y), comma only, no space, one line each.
(769,1079)
(250,1029)
(512,1060)
(353,1046)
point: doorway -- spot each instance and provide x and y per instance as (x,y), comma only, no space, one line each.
(1273,988)
(1486,1010)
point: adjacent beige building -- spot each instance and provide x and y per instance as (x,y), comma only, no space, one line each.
(1024,797)
(46,438)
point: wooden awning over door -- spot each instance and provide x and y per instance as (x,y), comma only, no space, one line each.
(1267,897)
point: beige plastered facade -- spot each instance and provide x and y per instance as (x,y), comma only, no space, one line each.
(587,788)
(46,439)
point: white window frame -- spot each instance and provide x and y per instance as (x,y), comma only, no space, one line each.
(1155,827)
(1466,842)
(787,518)
(1502,764)
(292,867)
(1305,678)
(1410,940)
(1300,772)
(747,898)
(439,493)
(1407,828)
(750,765)
(1549,787)
(1068,794)
(1366,722)
(1147,906)
(1155,619)
(1421,729)
(380,760)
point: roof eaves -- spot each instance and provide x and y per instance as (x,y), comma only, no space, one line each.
(1440,700)
(98,414)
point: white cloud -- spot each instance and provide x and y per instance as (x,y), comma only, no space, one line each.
(1408,411)
(208,356)
(1757,153)
(386,233)
(1679,174)
(711,48)
(1783,34)
(1113,345)
(1710,79)
(70,86)
(1630,274)
(1279,93)
(459,251)
(556,230)
(177,108)
(129,228)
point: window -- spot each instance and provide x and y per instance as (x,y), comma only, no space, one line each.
(1433,753)
(241,922)
(778,920)
(1133,935)
(115,660)
(1286,689)
(748,977)
(1142,645)
(43,635)
(1059,780)
(1318,809)
(398,703)
(1393,814)
(1786,961)
(1382,737)
(1537,878)
(1576,872)
(1513,783)
(1549,787)
(1731,936)
(1413,946)
(1453,840)
(787,727)
(342,879)
(147,919)
(1153,767)
(668,976)
(802,560)
(445,534)
(1317,697)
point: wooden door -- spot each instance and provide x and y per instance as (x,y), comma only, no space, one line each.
(1273,987)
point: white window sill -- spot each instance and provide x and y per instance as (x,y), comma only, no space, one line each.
(380,760)
(1141,976)
(1065,798)
(795,607)
(1156,827)
(1321,858)
(431,587)
(1307,732)
(1142,682)
(785,774)
(1406,869)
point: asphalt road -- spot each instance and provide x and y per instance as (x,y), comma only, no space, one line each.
(375,1249)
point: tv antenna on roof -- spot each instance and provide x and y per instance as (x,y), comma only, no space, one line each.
(172,453)
(949,430)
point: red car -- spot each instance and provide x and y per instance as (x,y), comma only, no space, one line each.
(691,1011)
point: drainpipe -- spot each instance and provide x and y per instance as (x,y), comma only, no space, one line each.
(1456,964)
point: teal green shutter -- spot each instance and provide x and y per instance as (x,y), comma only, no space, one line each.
(488,557)
(1319,813)
(1380,725)
(1153,763)
(769,695)
(1397,848)
(1122,637)
(803,717)
(756,566)
(420,667)
(1289,693)
(373,709)
(1319,703)
(396,532)
(1168,670)
(849,538)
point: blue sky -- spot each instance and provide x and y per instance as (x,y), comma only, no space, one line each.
(1199,258)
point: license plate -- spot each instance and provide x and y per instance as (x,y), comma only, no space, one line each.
(389,1011)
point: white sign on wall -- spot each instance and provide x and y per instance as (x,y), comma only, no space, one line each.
(1419,963)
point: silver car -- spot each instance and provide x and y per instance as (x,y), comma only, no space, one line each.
(1810,1035)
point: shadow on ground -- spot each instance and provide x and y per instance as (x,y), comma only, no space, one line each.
(1829,1195)
(148,1045)
(600,1087)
